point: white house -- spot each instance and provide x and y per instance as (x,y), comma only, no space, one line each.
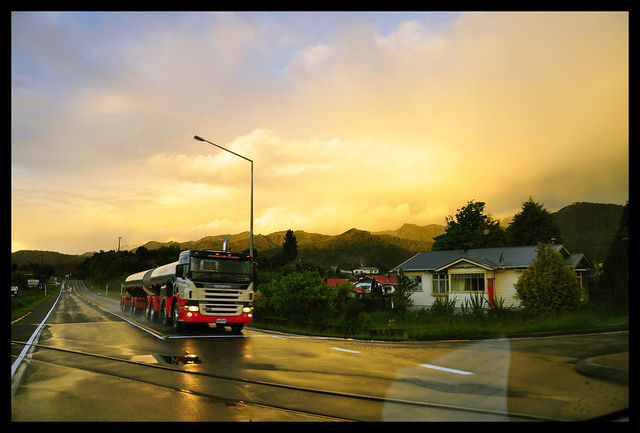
(366,270)
(491,272)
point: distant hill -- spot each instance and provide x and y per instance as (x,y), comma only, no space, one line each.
(355,247)
(240,241)
(62,263)
(416,233)
(349,249)
(585,227)
(589,228)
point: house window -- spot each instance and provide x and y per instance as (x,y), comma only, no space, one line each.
(467,282)
(440,283)
(417,283)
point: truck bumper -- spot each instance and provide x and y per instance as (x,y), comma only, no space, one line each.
(196,317)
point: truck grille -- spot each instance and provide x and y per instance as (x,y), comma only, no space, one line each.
(222,299)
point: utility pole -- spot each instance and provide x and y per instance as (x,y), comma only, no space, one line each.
(119,237)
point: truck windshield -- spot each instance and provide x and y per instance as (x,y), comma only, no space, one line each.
(220,270)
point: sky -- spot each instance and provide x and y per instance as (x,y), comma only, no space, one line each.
(353,119)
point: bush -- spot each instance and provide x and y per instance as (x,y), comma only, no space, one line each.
(401,296)
(548,286)
(474,306)
(443,306)
(498,309)
(300,294)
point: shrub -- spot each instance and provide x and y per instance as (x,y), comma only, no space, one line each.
(401,296)
(548,286)
(474,306)
(299,294)
(443,306)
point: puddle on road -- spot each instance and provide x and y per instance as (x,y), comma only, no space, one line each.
(177,360)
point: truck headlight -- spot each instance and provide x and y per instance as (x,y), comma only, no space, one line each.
(191,307)
(247,309)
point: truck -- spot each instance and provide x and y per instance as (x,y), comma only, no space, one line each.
(203,286)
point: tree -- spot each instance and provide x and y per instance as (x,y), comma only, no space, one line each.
(142,252)
(534,224)
(290,246)
(613,283)
(401,296)
(470,228)
(298,294)
(548,286)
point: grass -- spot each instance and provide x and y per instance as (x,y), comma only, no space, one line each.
(424,325)
(27,300)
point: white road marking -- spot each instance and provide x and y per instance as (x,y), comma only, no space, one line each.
(35,335)
(345,350)
(448,370)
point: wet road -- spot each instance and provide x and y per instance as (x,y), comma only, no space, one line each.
(88,363)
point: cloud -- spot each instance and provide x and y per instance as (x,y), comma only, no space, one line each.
(352,120)
(306,59)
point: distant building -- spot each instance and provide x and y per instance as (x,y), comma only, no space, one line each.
(366,270)
(489,271)
(386,283)
(363,285)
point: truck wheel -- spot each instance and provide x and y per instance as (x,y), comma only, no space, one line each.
(237,327)
(177,325)
(153,314)
(166,319)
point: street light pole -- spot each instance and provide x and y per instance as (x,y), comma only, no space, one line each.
(198,138)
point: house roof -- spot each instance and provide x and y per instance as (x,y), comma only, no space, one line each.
(579,261)
(382,279)
(490,258)
(335,282)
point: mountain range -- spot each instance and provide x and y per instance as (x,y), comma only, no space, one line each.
(585,227)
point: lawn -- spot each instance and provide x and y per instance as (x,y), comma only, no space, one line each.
(424,325)
(27,300)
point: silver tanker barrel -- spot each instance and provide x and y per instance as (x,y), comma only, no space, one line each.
(163,278)
(134,284)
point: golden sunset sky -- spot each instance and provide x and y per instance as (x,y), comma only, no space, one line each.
(366,120)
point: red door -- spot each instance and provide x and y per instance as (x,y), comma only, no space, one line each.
(490,290)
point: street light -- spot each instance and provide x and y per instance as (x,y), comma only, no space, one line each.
(198,138)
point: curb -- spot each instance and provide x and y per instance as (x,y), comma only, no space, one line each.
(606,367)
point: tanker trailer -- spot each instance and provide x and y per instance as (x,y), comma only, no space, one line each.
(203,286)
(136,298)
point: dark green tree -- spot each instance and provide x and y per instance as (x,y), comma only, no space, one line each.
(548,286)
(298,294)
(401,296)
(142,252)
(613,284)
(470,228)
(534,224)
(290,246)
